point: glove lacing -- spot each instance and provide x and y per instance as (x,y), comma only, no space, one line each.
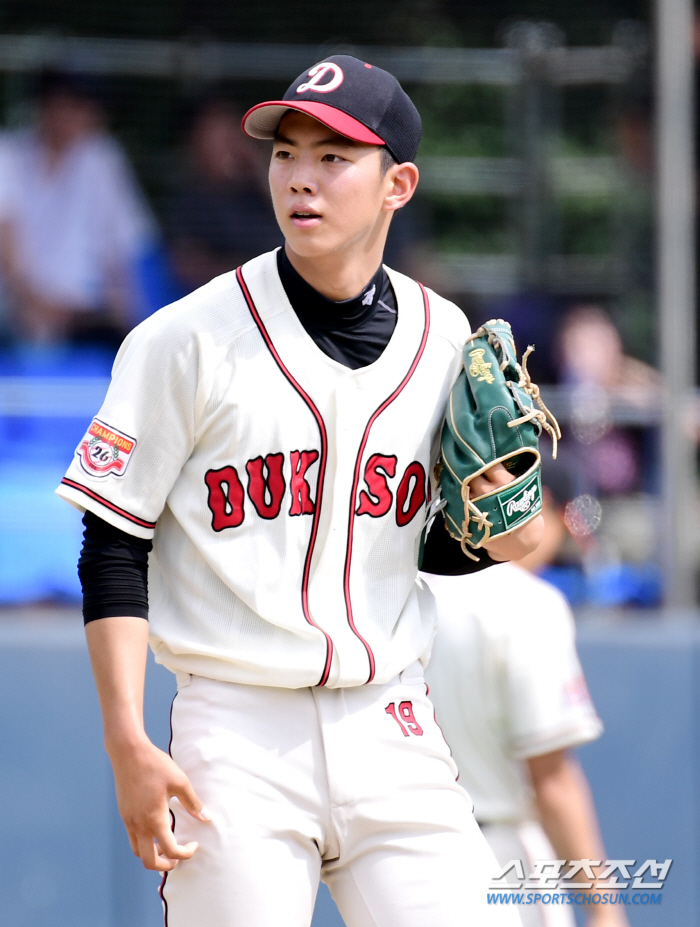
(472,513)
(542,415)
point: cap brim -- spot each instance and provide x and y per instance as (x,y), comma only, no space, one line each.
(262,120)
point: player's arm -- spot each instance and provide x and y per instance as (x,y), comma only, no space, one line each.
(113,570)
(145,777)
(568,815)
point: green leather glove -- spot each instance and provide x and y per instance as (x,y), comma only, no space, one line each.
(494,415)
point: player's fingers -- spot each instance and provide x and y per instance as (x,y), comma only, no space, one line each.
(190,802)
(133,841)
(489,480)
(151,857)
(174,851)
(167,845)
(163,853)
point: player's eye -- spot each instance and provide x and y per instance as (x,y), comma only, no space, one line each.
(332,158)
(282,155)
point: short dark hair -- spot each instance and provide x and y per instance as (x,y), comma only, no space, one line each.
(52,82)
(388,160)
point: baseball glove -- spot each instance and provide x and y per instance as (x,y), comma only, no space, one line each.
(494,415)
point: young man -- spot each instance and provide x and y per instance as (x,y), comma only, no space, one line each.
(273,433)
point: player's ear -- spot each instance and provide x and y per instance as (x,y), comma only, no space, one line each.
(402,180)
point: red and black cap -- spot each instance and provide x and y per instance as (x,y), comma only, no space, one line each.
(351,97)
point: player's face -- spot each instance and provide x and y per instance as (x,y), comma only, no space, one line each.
(329,192)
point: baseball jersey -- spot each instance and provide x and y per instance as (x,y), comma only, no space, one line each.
(285,493)
(506,683)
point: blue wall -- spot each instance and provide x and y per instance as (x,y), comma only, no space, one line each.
(64,856)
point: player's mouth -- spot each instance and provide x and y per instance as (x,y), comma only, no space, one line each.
(305,218)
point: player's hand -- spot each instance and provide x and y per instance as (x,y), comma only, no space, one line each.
(491,479)
(521,542)
(606,916)
(146,779)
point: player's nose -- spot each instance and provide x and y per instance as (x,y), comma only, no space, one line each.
(302,179)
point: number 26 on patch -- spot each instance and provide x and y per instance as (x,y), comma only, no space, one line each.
(404,717)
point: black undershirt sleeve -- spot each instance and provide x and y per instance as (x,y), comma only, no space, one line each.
(113,571)
(443,555)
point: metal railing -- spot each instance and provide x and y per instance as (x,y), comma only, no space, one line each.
(187,59)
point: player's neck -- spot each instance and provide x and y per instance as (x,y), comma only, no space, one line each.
(337,276)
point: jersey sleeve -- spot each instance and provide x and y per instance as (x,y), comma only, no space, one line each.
(137,444)
(546,693)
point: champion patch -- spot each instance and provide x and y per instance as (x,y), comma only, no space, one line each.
(105,450)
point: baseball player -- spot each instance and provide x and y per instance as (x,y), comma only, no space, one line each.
(262,460)
(512,700)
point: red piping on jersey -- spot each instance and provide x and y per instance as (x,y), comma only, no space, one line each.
(107,504)
(353,494)
(321,472)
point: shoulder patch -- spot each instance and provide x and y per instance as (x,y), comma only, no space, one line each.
(105,450)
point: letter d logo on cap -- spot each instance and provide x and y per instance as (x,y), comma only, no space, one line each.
(317,73)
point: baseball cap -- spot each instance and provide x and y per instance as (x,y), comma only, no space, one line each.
(355,99)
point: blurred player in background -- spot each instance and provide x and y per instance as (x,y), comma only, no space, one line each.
(512,701)
(73,222)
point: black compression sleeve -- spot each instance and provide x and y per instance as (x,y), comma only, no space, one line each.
(113,570)
(443,555)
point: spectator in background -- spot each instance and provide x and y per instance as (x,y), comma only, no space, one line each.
(73,223)
(220,215)
(600,374)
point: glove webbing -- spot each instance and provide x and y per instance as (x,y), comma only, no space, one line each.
(542,415)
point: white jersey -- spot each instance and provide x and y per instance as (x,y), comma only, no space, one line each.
(507,683)
(284,491)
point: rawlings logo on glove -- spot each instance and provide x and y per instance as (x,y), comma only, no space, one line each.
(494,415)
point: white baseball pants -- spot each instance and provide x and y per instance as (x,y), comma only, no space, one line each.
(354,786)
(528,842)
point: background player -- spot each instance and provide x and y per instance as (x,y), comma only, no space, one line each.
(512,700)
(270,437)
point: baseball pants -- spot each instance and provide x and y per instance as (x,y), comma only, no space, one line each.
(354,786)
(528,842)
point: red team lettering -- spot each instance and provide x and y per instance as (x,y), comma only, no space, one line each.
(225,498)
(267,487)
(405,718)
(261,489)
(415,495)
(376,500)
(298,486)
